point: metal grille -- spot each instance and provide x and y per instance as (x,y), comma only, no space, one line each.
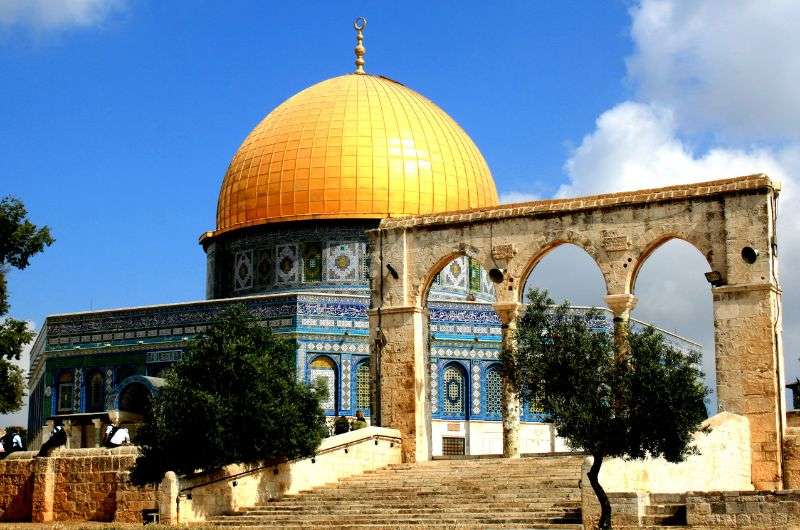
(362,386)
(452,446)
(454,390)
(493,392)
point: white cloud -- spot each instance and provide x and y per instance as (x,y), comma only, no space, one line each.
(636,145)
(56,14)
(510,197)
(725,66)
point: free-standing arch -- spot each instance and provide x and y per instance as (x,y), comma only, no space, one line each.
(734,219)
(537,257)
(657,239)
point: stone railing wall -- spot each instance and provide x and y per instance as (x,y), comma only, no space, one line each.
(791,458)
(236,486)
(16,487)
(722,463)
(73,485)
(744,509)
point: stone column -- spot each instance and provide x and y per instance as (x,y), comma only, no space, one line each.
(398,357)
(67,424)
(750,377)
(44,481)
(97,423)
(508,313)
(168,499)
(621,305)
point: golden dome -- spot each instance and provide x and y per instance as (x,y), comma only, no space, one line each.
(353,147)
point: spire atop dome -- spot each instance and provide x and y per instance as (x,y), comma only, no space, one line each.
(359,24)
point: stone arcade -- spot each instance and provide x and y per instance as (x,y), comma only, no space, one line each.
(731,222)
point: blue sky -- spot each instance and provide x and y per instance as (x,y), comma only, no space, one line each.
(118,135)
(118,119)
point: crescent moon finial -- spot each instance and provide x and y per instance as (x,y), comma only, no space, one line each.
(359,24)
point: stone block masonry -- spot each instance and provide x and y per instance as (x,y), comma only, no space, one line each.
(73,485)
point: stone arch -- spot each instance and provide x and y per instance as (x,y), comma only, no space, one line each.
(138,385)
(530,265)
(656,241)
(428,276)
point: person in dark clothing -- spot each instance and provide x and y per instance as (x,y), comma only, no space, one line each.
(341,425)
(359,422)
(11,442)
(58,438)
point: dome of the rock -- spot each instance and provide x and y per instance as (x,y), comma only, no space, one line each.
(353,147)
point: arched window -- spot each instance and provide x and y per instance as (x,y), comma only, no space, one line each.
(95,395)
(455,392)
(362,387)
(65,391)
(323,369)
(494,391)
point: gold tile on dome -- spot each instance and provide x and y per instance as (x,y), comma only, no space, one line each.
(353,145)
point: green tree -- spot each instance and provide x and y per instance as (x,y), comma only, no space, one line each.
(649,402)
(12,387)
(19,240)
(233,397)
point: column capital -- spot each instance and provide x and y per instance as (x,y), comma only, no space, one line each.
(508,311)
(621,304)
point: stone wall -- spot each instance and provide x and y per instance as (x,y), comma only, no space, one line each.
(238,486)
(791,458)
(722,462)
(73,485)
(16,487)
(743,509)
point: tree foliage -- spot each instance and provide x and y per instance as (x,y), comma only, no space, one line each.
(19,240)
(648,402)
(233,397)
(12,387)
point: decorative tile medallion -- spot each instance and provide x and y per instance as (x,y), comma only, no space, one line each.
(243,270)
(287,269)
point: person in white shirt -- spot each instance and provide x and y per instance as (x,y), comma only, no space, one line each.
(16,442)
(116,436)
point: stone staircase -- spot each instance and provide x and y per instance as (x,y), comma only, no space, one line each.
(531,492)
(665,510)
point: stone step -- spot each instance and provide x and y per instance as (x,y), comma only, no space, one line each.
(332,521)
(542,514)
(421,507)
(543,511)
(404,526)
(538,492)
